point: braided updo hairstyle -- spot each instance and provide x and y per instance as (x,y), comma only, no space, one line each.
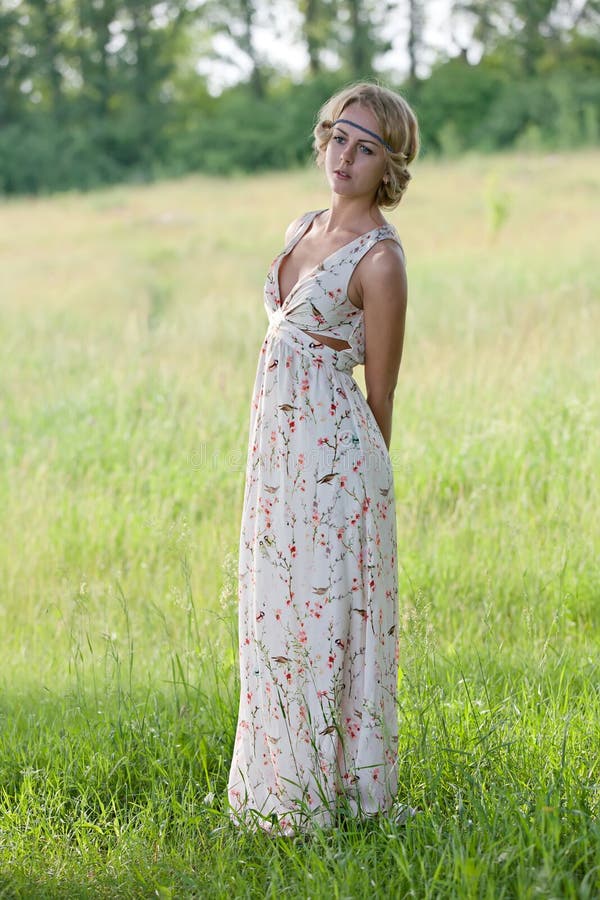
(398,127)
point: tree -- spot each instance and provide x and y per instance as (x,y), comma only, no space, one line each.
(11,65)
(526,28)
(237,20)
(360,32)
(317,29)
(416,23)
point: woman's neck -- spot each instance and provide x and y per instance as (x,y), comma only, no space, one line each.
(352,215)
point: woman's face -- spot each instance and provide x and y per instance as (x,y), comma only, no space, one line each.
(355,162)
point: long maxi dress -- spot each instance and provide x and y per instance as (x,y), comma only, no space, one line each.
(318,585)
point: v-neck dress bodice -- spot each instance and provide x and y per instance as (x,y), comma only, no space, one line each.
(317,576)
(319,302)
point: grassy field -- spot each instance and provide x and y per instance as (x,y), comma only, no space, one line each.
(130,323)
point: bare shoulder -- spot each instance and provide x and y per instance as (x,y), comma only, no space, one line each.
(383,273)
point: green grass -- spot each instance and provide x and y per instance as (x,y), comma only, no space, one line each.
(130,322)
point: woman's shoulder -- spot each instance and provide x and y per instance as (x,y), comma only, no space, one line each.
(388,243)
(385,257)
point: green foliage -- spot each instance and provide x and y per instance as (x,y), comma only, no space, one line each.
(462,106)
(455,96)
(36,157)
(98,92)
(245,133)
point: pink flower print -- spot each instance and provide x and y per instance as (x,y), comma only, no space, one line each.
(375,775)
(304,385)
(249,696)
(292,549)
(318,361)
(273,437)
(366,504)
(292,425)
(278,615)
(352,728)
(332,409)
(343,481)
(301,459)
(302,636)
(330,661)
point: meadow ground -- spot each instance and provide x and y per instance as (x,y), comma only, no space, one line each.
(130,324)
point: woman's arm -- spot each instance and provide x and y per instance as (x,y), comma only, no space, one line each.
(384,296)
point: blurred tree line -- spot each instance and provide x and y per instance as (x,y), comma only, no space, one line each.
(97,91)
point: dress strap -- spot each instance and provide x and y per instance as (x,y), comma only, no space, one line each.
(303,223)
(385,233)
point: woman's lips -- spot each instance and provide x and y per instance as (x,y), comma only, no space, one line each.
(342,174)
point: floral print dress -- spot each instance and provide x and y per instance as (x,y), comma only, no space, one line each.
(317,726)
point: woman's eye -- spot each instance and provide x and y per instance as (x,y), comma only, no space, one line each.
(366,150)
(338,138)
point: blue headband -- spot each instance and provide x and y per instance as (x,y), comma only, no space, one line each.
(366,130)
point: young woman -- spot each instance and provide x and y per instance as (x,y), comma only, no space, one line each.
(317,727)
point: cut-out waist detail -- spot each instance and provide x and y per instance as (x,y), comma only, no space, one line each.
(343,359)
(334,343)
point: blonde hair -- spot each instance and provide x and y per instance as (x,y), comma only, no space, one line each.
(398,127)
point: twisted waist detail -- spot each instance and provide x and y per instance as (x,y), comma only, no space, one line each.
(342,360)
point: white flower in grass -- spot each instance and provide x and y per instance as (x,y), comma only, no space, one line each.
(209,799)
